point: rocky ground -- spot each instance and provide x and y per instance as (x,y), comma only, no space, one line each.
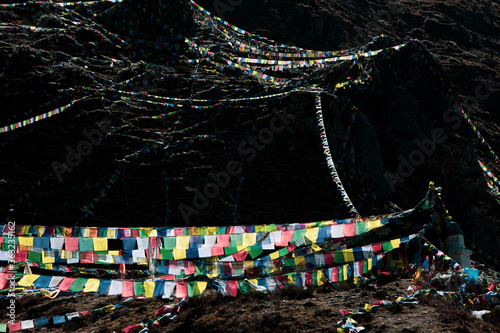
(143,171)
(288,310)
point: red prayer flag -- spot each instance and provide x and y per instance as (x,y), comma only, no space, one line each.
(223,240)
(377,248)
(335,274)
(217,251)
(232,288)
(15,326)
(181,289)
(71,243)
(4,282)
(21,256)
(66,283)
(240,256)
(345,313)
(329,260)
(128,289)
(350,229)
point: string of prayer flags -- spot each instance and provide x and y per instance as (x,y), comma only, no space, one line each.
(479,135)
(329,159)
(37,118)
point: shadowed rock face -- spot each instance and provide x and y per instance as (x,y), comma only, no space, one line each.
(165,17)
(388,137)
(463,39)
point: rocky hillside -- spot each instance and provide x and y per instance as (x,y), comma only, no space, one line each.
(390,132)
(159,114)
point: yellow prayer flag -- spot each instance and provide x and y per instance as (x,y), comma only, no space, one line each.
(321,278)
(179,254)
(114,253)
(212,271)
(26,230)
(368,307)
(200,287)
(25,241)
(300,262)
(211,230)
(40,229)
(274,255)
(344,272)
(110,233)
(291,280)
(315,247)
(182,242)
(249,239)
(248,264)
(46,259)
(374,224)
(28,280)
(65,254)
(348,255)
(108,308)
(260,228)
(148,231)
(149,288)
(312,234)
(254,281)
(395,243)
(100,243)
(92,286)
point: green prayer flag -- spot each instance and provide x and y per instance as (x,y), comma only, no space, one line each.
(191,285)
(167,254)
(102,232)
(78,284)
(169,243)
(34,256)
(361,227)
(289,262)
(270,227)
(298,234)
(138,288)
(283,251)
(236,240)
(255,251)
(386,246)
(230,250)
(242,287)
(86,244)
(338,257)
(59,231)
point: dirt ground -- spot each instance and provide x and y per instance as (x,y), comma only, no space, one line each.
(287,310)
